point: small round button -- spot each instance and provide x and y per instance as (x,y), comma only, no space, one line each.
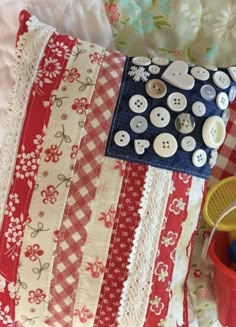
(200,73)
(160,117)
(225,116)
(154,69)
(156,89)
(138,103)
(141,61)
(213,132)
(188,143)
(177,101)
(165,145)
(199,109)
(221,79)
(222,100)
(122,138)
(208,92)
(138,124)
(160,61)
(232,93)
(184,123)
(199,158)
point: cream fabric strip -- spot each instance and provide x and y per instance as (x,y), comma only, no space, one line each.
(175,310)
(99,234)
(135,295)
(49,199)
(29,51)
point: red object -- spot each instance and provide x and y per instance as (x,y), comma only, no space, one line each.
(224,281)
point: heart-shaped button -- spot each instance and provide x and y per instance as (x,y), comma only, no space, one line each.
(140,146)
(177,74)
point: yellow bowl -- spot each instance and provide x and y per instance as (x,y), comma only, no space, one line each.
(220,197)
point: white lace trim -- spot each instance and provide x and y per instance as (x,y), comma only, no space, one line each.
(29,51)
(137,287)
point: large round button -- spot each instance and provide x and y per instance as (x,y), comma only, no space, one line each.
(232,93)
(199,158)
(199,109)
(160,117)
(188,143)
(122,138)
(138,124)
(200,73)
(138,103)
(222,101)
(208,92)
(221,79)
(185,123)
(225,116)
(156,89)
(165,145)
(213,132)
(141,61)
(154,69)
(177,101)
(160,61)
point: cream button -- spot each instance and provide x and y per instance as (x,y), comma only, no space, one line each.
(225,116)
(199,158)
(208,92)
(141,145)
(199,109)
(232,93)
(138,103)
(213,132)
(232,72)
(211,67)
(165,145)
(156,89)
(222,101)
(154,69)
(160,61)
(188,143)
(221,79)
(185,123)
(122,138)
(160,117)
(200,73)
(177,101)
(141,61)
(138,124)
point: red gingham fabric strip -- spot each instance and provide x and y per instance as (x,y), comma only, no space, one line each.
(28,158)
(175,215)
(82,192)
(126,222)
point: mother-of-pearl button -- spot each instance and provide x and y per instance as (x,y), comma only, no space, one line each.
(138,103)
(156,88)
(199,158)
(232,93)
(222,100)
(177,101)
(141,61)
(199,109)
(200,73)
(188,143)
(160,61)
(213,132)
(221,79)
(208,92)
(185,123)
(160,117)
(138,124)
(165,145)
(122,138)
(154,69)
(225,116)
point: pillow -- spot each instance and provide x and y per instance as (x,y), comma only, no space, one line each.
(102,176)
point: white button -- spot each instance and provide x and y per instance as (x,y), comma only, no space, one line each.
(122,138)
(208,92)
(138,124)
(221,79)
(188,143)
(177,74)
(211,67)
(141,145)
(232,71)
(225,116)
(165,145)
(141,61)
(138,103)
(199,158)
(177,101)
(156,88)
(213,132)
(232,93)
(222,101)
(185,123)
(154,69)
(199,109)
(160,117)
(160,61)
(200,73)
